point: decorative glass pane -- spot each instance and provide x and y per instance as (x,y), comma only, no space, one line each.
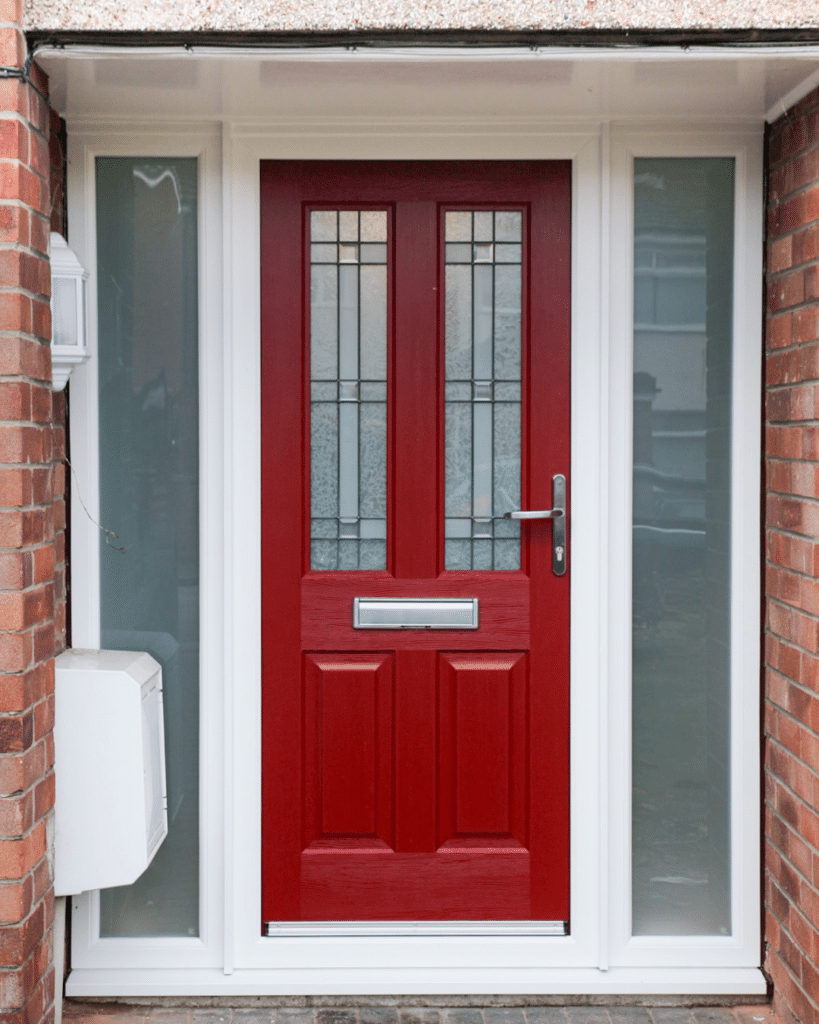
(348,225)
(483,331)
(324,459)
(149,494)
(323,226)
(373,253)
(348,345)
(683,284)
(508,226)
(373,225)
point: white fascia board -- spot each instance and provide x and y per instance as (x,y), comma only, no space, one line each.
(629,53)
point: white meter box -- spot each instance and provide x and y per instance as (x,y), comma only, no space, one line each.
(111,808)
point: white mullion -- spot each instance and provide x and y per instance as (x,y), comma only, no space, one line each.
(602,395)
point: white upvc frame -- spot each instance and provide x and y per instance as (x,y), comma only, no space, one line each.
(745,148)
(202,143)
(415,961)
(598,955)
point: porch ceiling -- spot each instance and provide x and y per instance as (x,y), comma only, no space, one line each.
(508,84)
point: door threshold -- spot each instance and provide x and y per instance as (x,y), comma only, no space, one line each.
(277,929)
(647,984)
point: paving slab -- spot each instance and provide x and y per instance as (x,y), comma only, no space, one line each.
(420,1015)
(713,1015)
(545,1015)
(500,1015)
(671,1015)
(629,1015)
(461,1015)
(77,1012)
(378,1015)
(587,1015)
(335,1015)
(287,1015)
(762,1014)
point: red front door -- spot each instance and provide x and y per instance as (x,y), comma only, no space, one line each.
(415,388)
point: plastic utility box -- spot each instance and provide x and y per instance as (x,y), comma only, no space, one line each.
(111,807)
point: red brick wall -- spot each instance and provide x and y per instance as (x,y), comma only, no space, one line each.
(29,446)
(792,564)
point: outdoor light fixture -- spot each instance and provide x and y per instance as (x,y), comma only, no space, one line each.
(69,341)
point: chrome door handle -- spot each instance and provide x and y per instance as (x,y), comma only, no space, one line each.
(551,513)
(558,514)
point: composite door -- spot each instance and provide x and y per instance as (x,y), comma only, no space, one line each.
(415,390)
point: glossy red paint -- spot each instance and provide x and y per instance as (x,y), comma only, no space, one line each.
(414,775)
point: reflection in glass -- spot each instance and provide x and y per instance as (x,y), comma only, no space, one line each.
(683,247)
(149,494)
(348,373)
(483,253)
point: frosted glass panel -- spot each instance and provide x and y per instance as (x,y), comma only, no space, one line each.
(348,345)
(64,326)
(149,494)
(683,244)
(483,330)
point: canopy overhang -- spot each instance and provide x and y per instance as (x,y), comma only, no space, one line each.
(188,80)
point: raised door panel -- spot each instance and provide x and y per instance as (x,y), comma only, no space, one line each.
(348,748)
(483,746)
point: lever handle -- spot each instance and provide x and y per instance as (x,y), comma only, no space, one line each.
(558,515)
(551,513)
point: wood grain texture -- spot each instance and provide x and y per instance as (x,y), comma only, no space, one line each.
(450,885)
(482,745)
(414,774)
(348,746)
(327,611)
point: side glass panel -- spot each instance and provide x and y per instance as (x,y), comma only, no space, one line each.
(683,282)
(348,389)
(149,494)
(483,379)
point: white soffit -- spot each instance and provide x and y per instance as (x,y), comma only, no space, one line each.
(600,83)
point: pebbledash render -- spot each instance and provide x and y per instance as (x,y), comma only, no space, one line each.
(86,88)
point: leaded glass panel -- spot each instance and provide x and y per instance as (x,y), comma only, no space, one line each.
(348,375)
(483,257)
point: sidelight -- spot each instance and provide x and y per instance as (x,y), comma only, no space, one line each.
(148,369)
(683,313)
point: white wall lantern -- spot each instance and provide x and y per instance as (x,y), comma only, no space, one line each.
(69,340)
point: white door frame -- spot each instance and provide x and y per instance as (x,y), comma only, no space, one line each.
(599,955)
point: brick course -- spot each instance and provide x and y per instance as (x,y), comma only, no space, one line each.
(792,565)
(32,571)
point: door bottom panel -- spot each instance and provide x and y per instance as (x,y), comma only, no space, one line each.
(381,885)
